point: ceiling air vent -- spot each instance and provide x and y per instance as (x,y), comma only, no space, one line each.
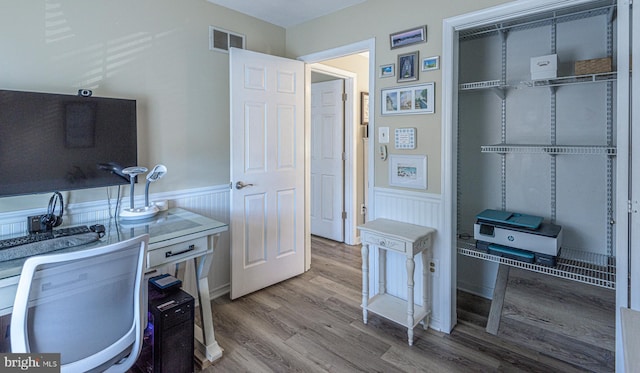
(222,40)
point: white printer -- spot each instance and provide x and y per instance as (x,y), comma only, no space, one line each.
(506,230)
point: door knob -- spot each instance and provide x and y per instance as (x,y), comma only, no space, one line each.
(240,185)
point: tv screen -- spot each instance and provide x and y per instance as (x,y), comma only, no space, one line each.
(51,142)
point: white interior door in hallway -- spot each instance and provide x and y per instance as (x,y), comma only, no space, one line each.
(327,161)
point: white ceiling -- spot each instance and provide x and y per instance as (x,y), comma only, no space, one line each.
(286,13)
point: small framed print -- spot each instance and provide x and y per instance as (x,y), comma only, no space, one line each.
(387,71)
(431,63)
(408,171)
(408,67)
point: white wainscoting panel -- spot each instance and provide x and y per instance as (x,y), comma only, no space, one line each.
(415,208)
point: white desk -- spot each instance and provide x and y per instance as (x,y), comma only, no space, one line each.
(175,237)
(407,239)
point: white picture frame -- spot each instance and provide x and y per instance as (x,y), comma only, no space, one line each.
(408,171)
(430,63)
(417,99)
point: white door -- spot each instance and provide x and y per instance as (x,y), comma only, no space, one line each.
(267,156)
(327,164)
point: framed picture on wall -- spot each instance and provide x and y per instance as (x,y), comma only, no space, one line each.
(408,171)
(408,37)
(387,71)
(431,63)
(417,99)
(408,67)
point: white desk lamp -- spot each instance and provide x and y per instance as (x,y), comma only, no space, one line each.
(132,212)
(156,173)
(133,172)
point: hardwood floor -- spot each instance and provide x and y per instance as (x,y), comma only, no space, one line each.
(313,323)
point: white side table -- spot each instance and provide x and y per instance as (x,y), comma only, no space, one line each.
(407,239)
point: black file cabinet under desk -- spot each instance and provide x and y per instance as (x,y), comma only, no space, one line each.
(168,339)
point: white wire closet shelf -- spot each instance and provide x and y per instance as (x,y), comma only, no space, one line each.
(528,22)
(549,149)
(554,82)
(572,264)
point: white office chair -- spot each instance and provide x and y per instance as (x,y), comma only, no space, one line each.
(86,305)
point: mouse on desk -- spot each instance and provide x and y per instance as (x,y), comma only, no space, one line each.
(99,229)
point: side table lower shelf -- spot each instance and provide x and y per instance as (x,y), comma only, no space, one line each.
(395,309)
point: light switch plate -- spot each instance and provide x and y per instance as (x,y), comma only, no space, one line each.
(383,135)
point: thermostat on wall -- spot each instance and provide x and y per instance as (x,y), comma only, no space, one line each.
(405,138)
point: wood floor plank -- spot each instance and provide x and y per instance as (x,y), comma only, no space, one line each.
(579,354)
(327,358)
(430,345)
(348,293)
(261,339)
(355,349)
(550,303)
(415,361)
(512,357)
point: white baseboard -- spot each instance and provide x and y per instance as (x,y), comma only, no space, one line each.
(220,291)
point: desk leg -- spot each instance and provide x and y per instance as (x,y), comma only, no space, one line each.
(205,338)
(365,281)
(411,266)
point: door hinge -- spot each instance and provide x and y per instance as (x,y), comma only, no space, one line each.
(344,215)
(344,97)
(231,185)
(344,156)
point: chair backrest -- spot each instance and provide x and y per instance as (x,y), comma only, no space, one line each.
(86,305)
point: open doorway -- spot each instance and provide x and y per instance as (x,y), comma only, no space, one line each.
(338,139)
(352,65)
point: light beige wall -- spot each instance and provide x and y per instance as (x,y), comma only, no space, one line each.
(154,51)
(377,19)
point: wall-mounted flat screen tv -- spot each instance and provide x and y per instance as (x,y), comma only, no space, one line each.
(55,142)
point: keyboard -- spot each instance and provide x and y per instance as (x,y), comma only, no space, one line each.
(37,237)
(40,243)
